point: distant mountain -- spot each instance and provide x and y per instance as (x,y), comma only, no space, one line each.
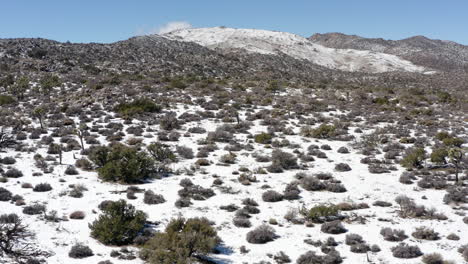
(440,55)
(266,42)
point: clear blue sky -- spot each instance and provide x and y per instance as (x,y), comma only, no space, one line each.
(112,20)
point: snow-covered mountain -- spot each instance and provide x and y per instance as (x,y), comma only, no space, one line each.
(282,43)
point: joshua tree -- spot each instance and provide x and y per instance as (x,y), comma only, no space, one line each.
(80,132)
(456,158)
(39,113)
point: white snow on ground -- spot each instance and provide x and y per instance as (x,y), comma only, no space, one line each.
(361,185)
(274,42)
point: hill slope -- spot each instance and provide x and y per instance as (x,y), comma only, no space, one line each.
(436,54)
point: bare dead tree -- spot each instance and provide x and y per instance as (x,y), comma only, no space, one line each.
(16,240)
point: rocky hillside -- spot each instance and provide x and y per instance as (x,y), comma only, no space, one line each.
(281,43)
(441,55)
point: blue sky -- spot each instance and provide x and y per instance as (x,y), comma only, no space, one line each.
(112,20)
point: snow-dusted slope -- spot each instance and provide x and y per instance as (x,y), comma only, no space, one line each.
(272,42)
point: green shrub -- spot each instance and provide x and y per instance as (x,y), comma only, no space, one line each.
(161,152)
(119,224)
(320,213)
(6,99)
(120,163)
(439,155)
(181,240)
(442,135)
(453,142)
(263,138)
(138,106)
(324,131)
(413,158)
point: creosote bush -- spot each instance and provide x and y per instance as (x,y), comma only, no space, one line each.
(181,241)
(119,224)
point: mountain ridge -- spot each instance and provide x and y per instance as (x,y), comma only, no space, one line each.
(442,55)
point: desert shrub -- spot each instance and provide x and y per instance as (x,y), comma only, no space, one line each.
(333,227)
(197,130)
(393,235)
(432,258)
(342,167)
(229,158)
(251,209)
(281,258)
(353,239)
(282,160)
(439,155)
(6,100)
(84,164)
(42,187)
(77,215)
(360,248)
(161,152)
(80,251)
(124,164)
(119,224)
(5,194)
(71,170)
(310,257)
(34,209)
(272,196)
(453,142)
(263,138)
(202,162)
(169,121)
(311,183)
(151,198)
(343,150)
(406,251)
(249,201)
(321,213)
(241,222)
(221,134)
(324,131)
(186,182)
(182,202)
(8,160)
(456,195)
(425,233)
(138,106)
(291,192)
(181,241)
(13,173)
(413,158)
(453,236)
(185,152)
(261,234)
(407,178)
(336,187)
(196,192)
